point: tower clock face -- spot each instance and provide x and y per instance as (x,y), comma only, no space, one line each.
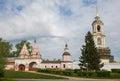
(98,28)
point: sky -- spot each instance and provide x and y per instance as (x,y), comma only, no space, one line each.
(53,23)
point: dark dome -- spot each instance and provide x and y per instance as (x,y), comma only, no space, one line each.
(66,53)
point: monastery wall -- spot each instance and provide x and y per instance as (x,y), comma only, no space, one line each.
(111,66)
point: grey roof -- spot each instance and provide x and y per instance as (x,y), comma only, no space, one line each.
(66,53)
(47,61)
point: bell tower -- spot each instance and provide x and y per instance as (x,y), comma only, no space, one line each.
(66,55)
(99,40)
(98,35)
(66,59)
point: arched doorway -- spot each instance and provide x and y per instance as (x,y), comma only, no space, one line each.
(21,67)
(33,66)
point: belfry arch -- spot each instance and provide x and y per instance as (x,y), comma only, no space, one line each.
(33,66)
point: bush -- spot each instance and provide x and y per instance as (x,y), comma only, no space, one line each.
(67,72)
(1,73)
(57,72)
(115,75)
(103,73)
(115,70)
(47,70)
(86,73)
(91,73)
(82,73)
(76,70)
(2,65)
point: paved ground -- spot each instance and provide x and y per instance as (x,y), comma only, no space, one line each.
(69,79)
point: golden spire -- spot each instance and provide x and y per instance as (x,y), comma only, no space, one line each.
(97,14)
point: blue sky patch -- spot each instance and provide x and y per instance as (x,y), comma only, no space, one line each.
(2,5)
(19,8)
(89,2)
(65,11)
(11,6)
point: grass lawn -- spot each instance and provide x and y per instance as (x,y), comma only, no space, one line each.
(115,75)
(22,74)
(112,76)
(7,79)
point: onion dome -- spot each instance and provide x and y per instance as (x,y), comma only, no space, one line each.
(66,50)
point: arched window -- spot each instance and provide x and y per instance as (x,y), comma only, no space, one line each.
(99,41)
(63,65)
(98,28)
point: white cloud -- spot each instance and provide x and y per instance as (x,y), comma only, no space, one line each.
(42,20)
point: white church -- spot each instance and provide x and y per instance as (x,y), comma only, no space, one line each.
(33,61)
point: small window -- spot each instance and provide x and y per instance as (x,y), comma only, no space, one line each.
(56,67)
(98,28)
(45,66)
(99,41)
(63,65)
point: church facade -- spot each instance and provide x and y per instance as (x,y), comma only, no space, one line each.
(31,62)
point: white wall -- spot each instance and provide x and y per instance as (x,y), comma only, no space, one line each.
(26,62)
(111,66)
(107,66)
(75,65)
(10,67)
(50,65)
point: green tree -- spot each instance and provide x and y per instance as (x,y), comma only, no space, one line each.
(2,65)
(90,58)
(5,49)
(82,59)
(20,45)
